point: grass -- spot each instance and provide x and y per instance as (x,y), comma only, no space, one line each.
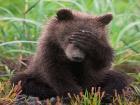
(8,93)
(20,25)
(21,22)
(8,97)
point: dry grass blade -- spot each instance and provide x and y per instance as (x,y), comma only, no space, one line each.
(8,96)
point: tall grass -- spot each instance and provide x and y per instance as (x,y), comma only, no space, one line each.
(21,23)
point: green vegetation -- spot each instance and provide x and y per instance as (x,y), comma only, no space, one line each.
(21,22)
(8,97)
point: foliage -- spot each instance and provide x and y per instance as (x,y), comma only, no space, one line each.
(8,96)
(7,93)
(21,21)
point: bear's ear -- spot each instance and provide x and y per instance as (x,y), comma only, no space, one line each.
(105,19)
(64,14)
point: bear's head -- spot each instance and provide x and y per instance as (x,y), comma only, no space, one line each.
(80,33)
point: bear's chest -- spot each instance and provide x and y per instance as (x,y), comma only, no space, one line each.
(77,70)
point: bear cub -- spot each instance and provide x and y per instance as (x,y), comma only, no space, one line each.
(73,55)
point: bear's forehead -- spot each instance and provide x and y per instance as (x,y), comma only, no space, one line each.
(76,27)
(81,19)
(81,23)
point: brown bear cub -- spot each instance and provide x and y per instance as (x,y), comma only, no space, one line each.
(73,55)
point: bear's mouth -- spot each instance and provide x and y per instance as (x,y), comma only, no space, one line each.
(74,54)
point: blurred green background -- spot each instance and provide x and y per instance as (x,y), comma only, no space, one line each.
(21,22)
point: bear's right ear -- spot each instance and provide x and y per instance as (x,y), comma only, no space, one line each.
(64,14)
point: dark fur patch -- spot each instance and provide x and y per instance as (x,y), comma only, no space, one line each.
(64,14)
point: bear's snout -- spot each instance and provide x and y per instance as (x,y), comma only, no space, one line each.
(74,54)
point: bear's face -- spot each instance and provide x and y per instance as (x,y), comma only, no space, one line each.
(77,33)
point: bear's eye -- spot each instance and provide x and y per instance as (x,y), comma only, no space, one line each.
(85,31)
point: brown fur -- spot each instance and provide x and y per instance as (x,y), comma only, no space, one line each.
(73,54)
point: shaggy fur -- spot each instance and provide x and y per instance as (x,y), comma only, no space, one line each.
(73,54)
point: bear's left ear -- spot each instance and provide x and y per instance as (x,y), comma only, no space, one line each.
(105,19)
(64,14)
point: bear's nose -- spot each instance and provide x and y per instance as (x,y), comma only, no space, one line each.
(74,54)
